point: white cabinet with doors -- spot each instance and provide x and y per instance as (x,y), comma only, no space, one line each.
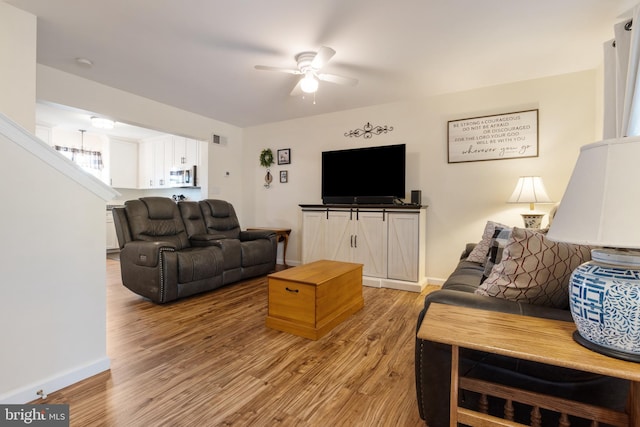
(185,152)
(123,163)
(158,156)
(154,154)
(404,246)
(358,236)
(112,239)
(314,228)
(389,242)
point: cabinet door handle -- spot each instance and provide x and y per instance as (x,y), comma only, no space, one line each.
(355,241)
(294,291)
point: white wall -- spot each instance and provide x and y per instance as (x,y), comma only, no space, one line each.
(461,196)
(52,269)
(18,65)
(52,292)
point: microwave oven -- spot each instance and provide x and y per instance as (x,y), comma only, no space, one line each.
(183,177)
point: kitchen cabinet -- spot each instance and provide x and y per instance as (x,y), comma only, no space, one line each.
(158,156)
(389,242)
(185,152)
(112,239)
(153,157)
(123,163)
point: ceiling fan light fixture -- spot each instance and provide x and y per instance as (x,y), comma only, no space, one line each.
(309,84)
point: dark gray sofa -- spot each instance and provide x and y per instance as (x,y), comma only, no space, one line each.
(433,360)
(170,251)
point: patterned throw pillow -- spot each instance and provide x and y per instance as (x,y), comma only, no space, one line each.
(534,269)
(498,242)
(479,253)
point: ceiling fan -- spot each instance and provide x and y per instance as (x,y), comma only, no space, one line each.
(309,66)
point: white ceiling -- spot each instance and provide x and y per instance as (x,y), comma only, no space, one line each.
(199,55)
(69,118)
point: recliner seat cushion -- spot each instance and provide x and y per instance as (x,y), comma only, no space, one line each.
(199,263)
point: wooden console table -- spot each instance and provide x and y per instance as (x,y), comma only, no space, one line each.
(282,235)
(528,338)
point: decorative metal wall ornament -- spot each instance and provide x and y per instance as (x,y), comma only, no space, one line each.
(368,131)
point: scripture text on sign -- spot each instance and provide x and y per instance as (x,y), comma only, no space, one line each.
(502,136)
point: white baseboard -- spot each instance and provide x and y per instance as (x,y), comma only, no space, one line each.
(49,385)
(436,281)
(377,282)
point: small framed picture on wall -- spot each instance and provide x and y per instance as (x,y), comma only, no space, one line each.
(284,156)
(284,176)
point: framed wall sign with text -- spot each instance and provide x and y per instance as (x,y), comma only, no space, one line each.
(497,137)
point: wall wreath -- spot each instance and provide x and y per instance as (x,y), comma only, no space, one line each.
(266,157)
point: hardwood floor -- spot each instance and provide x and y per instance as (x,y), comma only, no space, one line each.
(210,361)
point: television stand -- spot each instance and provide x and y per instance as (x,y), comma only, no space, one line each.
(374,200)
(359,200)
(389,240)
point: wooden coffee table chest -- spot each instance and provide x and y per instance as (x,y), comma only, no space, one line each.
(311,299)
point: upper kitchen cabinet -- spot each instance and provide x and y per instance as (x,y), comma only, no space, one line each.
(153,156)
(160,158)
(123,164)
(185,152)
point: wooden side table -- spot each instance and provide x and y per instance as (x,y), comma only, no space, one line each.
(282,235)
(511,335)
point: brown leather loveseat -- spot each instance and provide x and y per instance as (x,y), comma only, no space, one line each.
(171,251)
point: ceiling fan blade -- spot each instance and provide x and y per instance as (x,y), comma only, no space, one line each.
(341,80)
(282,70)
(322,57)
(297,90)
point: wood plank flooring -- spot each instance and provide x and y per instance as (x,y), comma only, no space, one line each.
(210,361)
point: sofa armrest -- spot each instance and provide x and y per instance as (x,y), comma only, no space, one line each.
(467,250)
(145,253)
(247,235)
(201,240)
(465,299)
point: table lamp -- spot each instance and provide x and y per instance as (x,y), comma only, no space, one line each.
(601,208)
(530,189)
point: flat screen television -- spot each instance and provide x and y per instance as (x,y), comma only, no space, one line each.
(371,175)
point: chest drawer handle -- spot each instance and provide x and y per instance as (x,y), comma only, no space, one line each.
(295,291)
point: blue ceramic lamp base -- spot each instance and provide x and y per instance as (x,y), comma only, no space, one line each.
(618,354)
(604,297)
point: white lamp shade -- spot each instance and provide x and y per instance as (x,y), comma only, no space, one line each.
(529,189)
(601,205)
